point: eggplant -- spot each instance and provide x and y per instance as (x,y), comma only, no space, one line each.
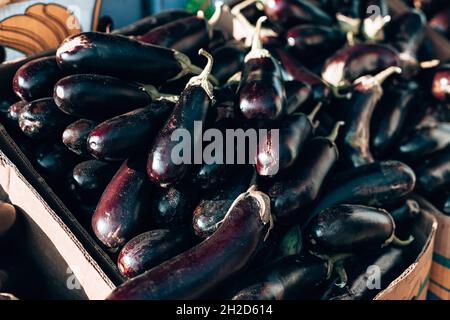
(54,160)
(192,106)
(425,141)
(261,93)
(293,277)
(441,22)
(122,211)
(115,139)
(89,179)
(375,15)
(440,87)
(151,248)
(229,60)
(355,138)
(15,110)
(42,118)
(119,56)
(8,219)
(213,176)
(196,271)
(409,211)
(75,136)
(434,174)
(213,207)
(36,79)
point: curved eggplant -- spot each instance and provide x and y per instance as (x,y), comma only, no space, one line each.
(118,137)
(434,174)
(123,207)
(193,273)
(36,79)
(440,87)
(151,248)
(229,60)
(426,141)
(75,136)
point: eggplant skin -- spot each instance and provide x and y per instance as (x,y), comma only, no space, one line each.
(75,136)
(350,228)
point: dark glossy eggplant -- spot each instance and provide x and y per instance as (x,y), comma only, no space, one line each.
(261,93)
(198,270)
(90,178)
(119,56)
(312,42)
(36,79)
(187,35)
(229,60)
(392,112)
(434,174)
(277,153)
(355,138)
(117,138)
(350,229)
(192,107)
(440,86)
(441,22)
(426,141)
(353,62)
(173,206)
(42,118)
(374,184)
(142,26)
(289,13)
(122,211)
(213,175)
(213,207)
(303,185)
(8,218)
(75,136)
(293,277)
(54,160)
(374,15)
(151,248)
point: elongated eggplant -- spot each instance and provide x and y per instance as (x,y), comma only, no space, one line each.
(441,22)
(293,277)
(75,136)
(314,42)
(122,211)
(275,156)
(151,248)
(142,26)
(426,141)
(115,139)
(90,178)
(397,103)
(119,56)
(304,184)
(192,107)
(373,184)
(54,160)
(355,142)
(193,273)
(440,87)
(36,79)
(187,35)
(434,173)
(289,13)
(375,15)
(213,207)
(261,94)
(8,218)
(353,62)
(42,118)
(351,228)
(229,60)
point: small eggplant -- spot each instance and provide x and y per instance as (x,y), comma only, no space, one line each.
(119,56)
(440,87)
(304,184)
(441,22)
(123,207)
(276,154)
(229,60)
(426,141)
(116,138)
(350,229)
(375,15)
(293,277)
(75,136)
(261,94)
(142,26)
(196,271)
(54,160)
(36,79)
(213,207)
(434,174)
(373,184)
(90,178)
(151,248)
(355,142)
(192,106)
(42,118)
(187,35)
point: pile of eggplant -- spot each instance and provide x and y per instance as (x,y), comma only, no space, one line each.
(362,105)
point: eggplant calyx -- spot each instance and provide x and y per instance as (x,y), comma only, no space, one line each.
(202,79)
(215,18)
(331,260)
(189,68)
(373,27)
(348,24)
(335,131)
(377,80)
(156,95)
(264,202)
(402,243)
(257,51)
(343,278)
(235,77)
(314,112)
